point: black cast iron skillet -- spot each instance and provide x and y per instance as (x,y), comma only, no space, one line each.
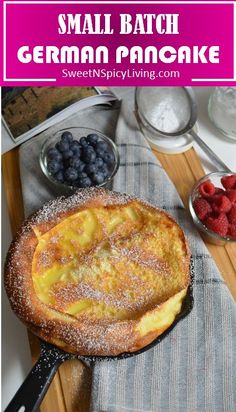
(32,391)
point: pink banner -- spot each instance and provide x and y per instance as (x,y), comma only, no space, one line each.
(105,43)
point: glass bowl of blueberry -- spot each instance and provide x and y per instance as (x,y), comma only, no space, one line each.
(79,157)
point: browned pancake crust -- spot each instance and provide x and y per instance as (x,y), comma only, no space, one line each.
(81,336)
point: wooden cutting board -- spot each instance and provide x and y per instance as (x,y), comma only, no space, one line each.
(70,389)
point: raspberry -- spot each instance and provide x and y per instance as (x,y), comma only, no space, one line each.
(219,191)
(218,224)
(232,231)
(229,181)
(231,195)
(206,189)
(221,204)
(202,208)
(232,216)
(213,198)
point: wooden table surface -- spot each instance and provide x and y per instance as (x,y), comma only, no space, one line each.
(70,389)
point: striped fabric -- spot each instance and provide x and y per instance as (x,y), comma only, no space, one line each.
(193,368)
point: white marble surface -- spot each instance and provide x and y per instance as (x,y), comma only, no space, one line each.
(16,360)
(224,147)
(15,348)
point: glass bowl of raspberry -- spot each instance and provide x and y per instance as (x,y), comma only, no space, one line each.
(212,205)
(79,157)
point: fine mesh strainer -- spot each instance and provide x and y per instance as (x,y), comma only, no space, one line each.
(168,113)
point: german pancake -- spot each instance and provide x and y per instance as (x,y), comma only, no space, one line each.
(98,273)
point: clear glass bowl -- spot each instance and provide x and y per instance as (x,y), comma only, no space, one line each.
(208,234)
(77,133)
(222,110)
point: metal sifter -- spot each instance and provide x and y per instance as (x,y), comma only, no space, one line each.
(167,118)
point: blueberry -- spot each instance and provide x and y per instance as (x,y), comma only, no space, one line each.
(52,151)
(83,141)
(77,151)
(92,138)
(88,156)
(67,154)
(89,148)
(54,166)
(75,147)
(101,146)
(99,152)
(91,168)
(76,142)
(71,174)
(62,146)
(97,178)
(81,167)
(59,176)
(81,175)
(67,136)
(99,162)
(84,182)
(74,162)
(54,154)
(104,170)
(108,157)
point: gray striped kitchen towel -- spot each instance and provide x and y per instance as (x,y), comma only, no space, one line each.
(193,368)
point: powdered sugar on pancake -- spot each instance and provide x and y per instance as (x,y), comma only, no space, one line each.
(84,335)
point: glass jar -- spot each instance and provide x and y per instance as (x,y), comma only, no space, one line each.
(222,110)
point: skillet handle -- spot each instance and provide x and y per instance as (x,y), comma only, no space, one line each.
(32,391)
